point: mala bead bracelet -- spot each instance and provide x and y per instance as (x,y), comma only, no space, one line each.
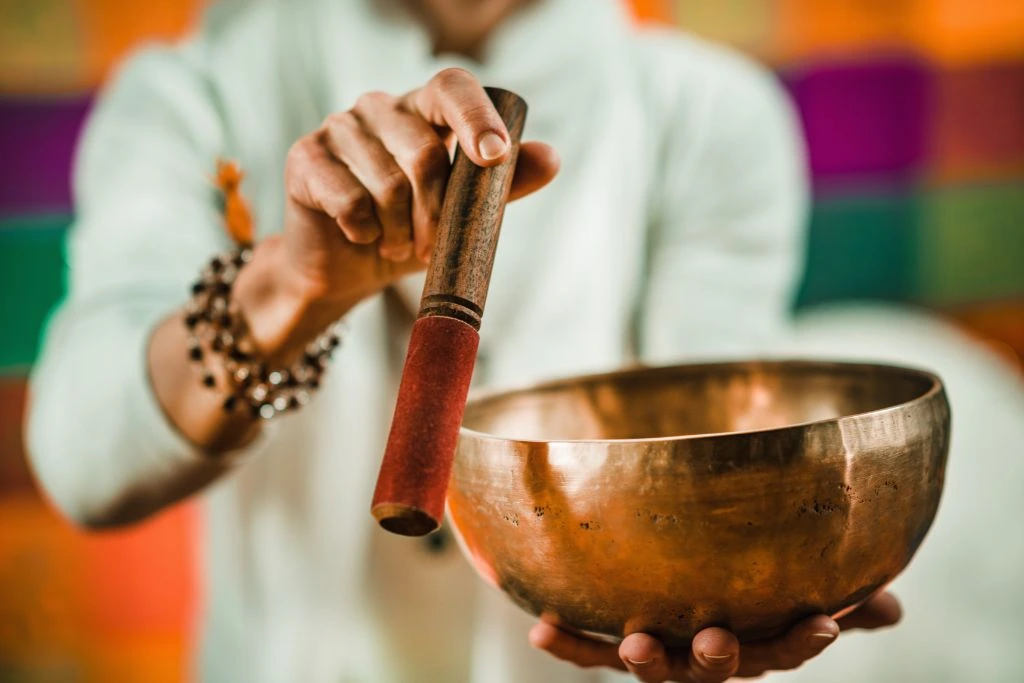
(216,328)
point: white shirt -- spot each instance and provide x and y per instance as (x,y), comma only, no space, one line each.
(962,594)
(673,232)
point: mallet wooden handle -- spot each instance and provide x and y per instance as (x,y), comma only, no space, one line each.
(413,480)
(474,203)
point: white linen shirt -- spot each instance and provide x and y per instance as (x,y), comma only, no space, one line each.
(673,232)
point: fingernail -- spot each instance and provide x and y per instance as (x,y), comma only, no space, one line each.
(633,662)
(716,659)
(823,636)
(491,146)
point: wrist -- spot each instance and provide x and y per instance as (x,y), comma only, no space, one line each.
(282,317)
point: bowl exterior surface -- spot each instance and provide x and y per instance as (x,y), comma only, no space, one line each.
(749,531)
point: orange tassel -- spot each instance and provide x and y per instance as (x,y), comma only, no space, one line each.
(237,216)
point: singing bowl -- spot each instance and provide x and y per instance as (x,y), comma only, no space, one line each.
(742,495)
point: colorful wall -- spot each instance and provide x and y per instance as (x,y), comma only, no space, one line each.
(73,607)
(914,117)
(914,114)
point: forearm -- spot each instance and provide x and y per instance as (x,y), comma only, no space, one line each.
(120,423)
(97,439)
(281,318)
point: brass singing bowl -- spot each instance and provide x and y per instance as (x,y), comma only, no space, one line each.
(664,501)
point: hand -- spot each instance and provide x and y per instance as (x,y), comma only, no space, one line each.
(365,189)
(364,194)
(715,655)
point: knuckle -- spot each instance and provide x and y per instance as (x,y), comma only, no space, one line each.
(340,121)
(296,166)
(452,77)
(428,160)
(373,100)
(298,154)
(479,116)
(354,206)
(394,187)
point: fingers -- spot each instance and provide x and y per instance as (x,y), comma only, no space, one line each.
(536,166)
(369,161)
(644,656)
(380,169)
(714,657)
(421,155)
(318,182)
(804,641)
(455,100)
(579,651)
(880,611)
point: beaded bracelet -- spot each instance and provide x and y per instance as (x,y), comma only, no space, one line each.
(216,327)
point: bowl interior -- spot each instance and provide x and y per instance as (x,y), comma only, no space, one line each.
(694,400)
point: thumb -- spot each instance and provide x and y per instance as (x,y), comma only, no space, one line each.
(537,166)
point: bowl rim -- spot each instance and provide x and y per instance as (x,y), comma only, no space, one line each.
(936,388)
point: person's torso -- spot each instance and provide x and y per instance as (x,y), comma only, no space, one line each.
(302,586)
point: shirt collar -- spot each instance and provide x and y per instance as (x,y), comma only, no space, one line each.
(548,46)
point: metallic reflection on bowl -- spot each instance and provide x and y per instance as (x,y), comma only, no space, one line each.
(744,495)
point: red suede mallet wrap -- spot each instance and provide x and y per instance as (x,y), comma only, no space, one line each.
(413,480)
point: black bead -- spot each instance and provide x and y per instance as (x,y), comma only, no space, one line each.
(216,344)
(199,288)
(230,403)
(216,265)
(238,355)
(309,358)
(225,320)
(254,410)
(195,353)
(191,320)
(293,403)
(334,341)
(209,380)
(290,381)
(222,287)
(238,260)
(313,383)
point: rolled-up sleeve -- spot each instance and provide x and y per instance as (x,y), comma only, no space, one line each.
(146,219)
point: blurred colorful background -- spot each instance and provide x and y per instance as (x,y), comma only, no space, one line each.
(914,115)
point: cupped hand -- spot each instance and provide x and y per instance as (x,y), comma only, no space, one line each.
(715,655)
(364,191)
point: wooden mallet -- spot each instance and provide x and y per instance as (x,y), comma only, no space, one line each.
(413,481)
